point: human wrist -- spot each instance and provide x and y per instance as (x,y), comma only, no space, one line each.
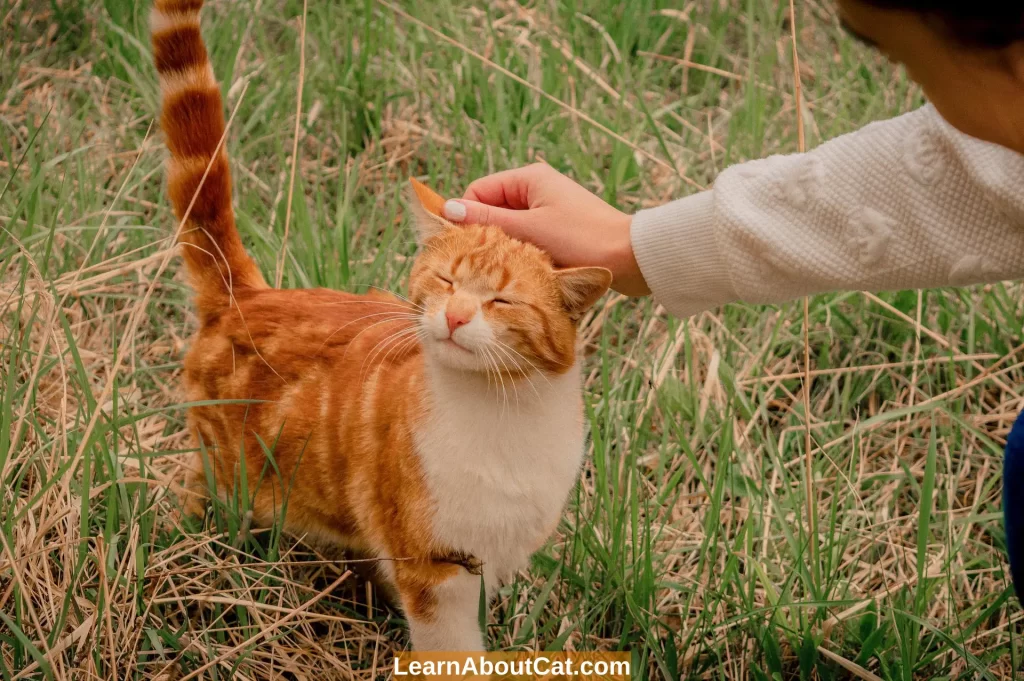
(627,277)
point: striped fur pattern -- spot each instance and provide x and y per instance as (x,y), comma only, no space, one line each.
(199,179)
(440,433)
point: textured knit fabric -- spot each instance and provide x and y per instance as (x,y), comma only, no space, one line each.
(900,204)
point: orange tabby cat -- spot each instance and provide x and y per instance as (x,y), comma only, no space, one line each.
(439,433)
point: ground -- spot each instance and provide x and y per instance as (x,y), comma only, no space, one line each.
(703,536)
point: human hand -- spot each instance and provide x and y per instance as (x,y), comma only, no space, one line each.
(538,204)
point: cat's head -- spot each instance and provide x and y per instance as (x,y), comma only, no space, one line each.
(489,302)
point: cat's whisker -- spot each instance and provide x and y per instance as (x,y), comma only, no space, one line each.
(523,373)
(401,346)
(525,359)
(391,319)
(383,343)
(511,379)
(501,378)
(369,364)
(352,342)
(401,338)
(395,315)
(488,370)
(380,346)
(519,369)
(401,297)
(368,301)
(497,377)
(487,374)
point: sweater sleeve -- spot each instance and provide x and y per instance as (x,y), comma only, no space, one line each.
(900,204)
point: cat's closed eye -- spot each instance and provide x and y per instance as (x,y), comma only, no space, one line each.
(501,301)
(445,280)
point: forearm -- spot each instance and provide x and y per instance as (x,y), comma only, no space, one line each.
(906,203)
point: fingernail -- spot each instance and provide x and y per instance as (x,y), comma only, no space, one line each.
(454,211)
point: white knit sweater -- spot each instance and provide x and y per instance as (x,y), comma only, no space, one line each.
(900,204)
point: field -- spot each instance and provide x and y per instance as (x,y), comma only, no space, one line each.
(704,536)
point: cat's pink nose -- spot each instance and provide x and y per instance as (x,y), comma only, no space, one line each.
(455,320)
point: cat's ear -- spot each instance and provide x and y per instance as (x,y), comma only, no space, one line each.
(581,287)
(426,210)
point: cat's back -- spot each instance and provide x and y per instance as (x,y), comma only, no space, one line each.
(292,330)
(282,362)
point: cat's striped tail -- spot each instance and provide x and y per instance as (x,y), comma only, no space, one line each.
(199,179)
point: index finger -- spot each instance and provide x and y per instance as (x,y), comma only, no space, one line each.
(505,189)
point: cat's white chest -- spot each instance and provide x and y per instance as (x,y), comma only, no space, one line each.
(500,473)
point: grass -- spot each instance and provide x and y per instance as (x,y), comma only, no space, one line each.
(689,540)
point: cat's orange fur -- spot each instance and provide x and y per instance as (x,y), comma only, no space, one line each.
(338,387)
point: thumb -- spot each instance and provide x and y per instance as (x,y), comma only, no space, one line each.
(515,223)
